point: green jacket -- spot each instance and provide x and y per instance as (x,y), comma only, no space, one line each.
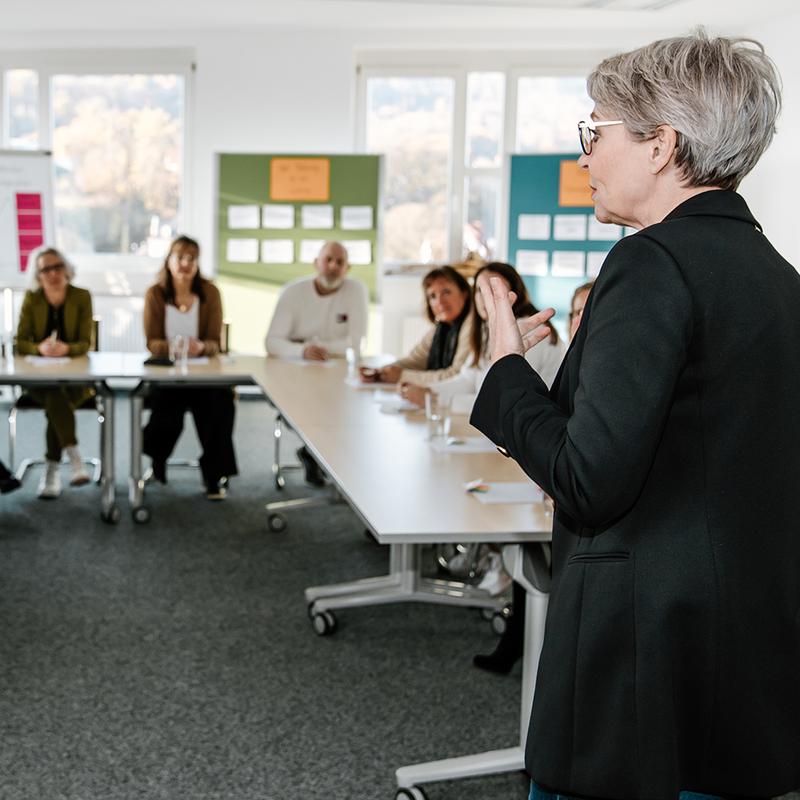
(32,327)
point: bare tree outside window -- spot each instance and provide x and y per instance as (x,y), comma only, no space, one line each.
(117,147)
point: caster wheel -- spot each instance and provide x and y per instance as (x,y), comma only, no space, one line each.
(411,793)
(324,623)
(111,516)
(500,620)
(276,523)
(140,515)
(280,482)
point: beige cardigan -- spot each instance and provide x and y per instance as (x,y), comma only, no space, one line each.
(209,319)
(415,362)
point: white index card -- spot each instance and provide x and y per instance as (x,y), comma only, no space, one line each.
(359,251)
(277,251)
(309,250)
(532,262)
(603,231)
(567,263)
(242,217)
(533,226)
(242,251)
(316,216)
(569,227)
(594,260)
(355,218)
(277,215)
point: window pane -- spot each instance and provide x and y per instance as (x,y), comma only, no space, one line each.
(480,228)
(548,112)
(22,108)
(117,147)
(410,120)
(485,101)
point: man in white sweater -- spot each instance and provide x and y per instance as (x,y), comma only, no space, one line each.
(318,317)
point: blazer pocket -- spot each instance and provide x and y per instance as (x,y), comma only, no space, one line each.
(601,558)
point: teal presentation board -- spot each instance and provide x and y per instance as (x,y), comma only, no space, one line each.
(274,211)
(554,240)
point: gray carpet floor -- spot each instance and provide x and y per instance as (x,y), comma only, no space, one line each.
(175,659)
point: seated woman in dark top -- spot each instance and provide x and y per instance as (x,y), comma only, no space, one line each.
(184,304)
(444,349)
(56,321)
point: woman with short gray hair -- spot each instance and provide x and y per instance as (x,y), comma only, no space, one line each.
(670,443)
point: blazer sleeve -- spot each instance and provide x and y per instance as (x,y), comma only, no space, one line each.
(211,332)
(594,461)
(83,303)
(154,322)
(27,343)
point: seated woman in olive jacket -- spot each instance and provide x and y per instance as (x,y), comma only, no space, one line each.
(56,321)
(183,303)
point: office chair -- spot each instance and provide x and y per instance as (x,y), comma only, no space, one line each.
(24,402)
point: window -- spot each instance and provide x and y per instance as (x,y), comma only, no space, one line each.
(411,120)
(21,109)
(117,148)
(445,134)
(117,135)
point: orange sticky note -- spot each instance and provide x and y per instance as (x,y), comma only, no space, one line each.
(573,186)
(300,179)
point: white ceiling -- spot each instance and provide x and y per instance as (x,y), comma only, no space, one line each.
(445,15)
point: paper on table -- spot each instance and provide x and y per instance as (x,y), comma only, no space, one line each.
(46,361)
(391,402)
(510,493)
(310,362)
(357,383)
(198,360)
(463,444)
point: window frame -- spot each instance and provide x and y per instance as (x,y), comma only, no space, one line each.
(458,65)
(47,64)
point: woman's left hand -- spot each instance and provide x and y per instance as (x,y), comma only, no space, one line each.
(508,335)
(414,394)
(196,347)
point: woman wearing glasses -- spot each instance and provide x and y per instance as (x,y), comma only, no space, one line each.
(671,445)
(56,322)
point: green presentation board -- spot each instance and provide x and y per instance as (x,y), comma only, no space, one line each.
(554,240)
(274,211)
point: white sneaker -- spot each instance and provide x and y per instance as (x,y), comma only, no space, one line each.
(50,483)
(495,580)
(79,475)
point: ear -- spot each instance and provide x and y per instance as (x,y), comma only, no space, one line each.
(662,148)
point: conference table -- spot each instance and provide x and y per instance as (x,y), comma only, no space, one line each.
(408,493)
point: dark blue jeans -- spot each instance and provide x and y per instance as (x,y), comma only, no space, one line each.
(541,794)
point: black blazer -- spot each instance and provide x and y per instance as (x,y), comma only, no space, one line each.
(670,443)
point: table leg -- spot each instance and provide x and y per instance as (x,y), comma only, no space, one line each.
(109,511)
(135,480)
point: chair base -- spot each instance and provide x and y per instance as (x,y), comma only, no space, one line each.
(95,464)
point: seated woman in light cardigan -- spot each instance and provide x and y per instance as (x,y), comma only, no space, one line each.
(443,350)
(183,303)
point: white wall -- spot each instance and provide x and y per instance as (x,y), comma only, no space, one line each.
(772,188)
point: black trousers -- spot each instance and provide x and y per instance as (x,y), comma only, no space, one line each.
(213,411)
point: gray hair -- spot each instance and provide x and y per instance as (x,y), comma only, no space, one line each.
(722,97)
(33,264)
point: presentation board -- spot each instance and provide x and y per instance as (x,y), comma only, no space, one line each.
(554,240)
(27,218)
(275,211)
